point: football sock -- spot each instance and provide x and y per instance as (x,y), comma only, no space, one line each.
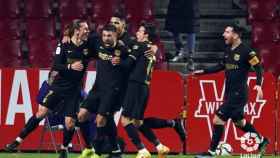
(86,133)
(112,133)
(217,134)
(149,134)
(31,125)
(67,136)
(132,132)
(97,143)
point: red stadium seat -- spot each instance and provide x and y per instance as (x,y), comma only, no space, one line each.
(103,10)
(72,9)
(265,32)
(40,28)
(270,54)
(41,52)
(38,9)
(9,29)
(276,70)
(10,53)
(262,9)
(138,11)
(9,8)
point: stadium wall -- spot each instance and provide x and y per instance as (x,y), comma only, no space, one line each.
(168,98)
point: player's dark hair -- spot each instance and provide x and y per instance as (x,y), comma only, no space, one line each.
(119,14)
(75,24)
(150,29)
(109,27)
(236,29)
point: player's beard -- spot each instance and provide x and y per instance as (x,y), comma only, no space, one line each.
(109,43)
(84,37)
(229,41)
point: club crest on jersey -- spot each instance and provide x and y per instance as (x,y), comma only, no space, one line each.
(117,52)
(236,57)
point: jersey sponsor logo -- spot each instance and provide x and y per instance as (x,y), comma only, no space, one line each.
(104,56)
(207,107)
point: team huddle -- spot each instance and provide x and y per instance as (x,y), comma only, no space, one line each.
(123,73)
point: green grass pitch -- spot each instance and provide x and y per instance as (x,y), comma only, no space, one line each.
(47,155)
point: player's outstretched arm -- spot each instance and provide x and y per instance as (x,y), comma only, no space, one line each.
(208,70)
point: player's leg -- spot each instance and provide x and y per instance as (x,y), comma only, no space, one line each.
(101,131)
(87,107)
(176,124)
(221,116)
(135,102)
(48,101)
(245,126)
(132,132)
(85,124)
(68,133)
(150,135)
(217,132)
(70,110)
(105,121)
(112,134)
(145,129)
(30,126)
(111,102)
